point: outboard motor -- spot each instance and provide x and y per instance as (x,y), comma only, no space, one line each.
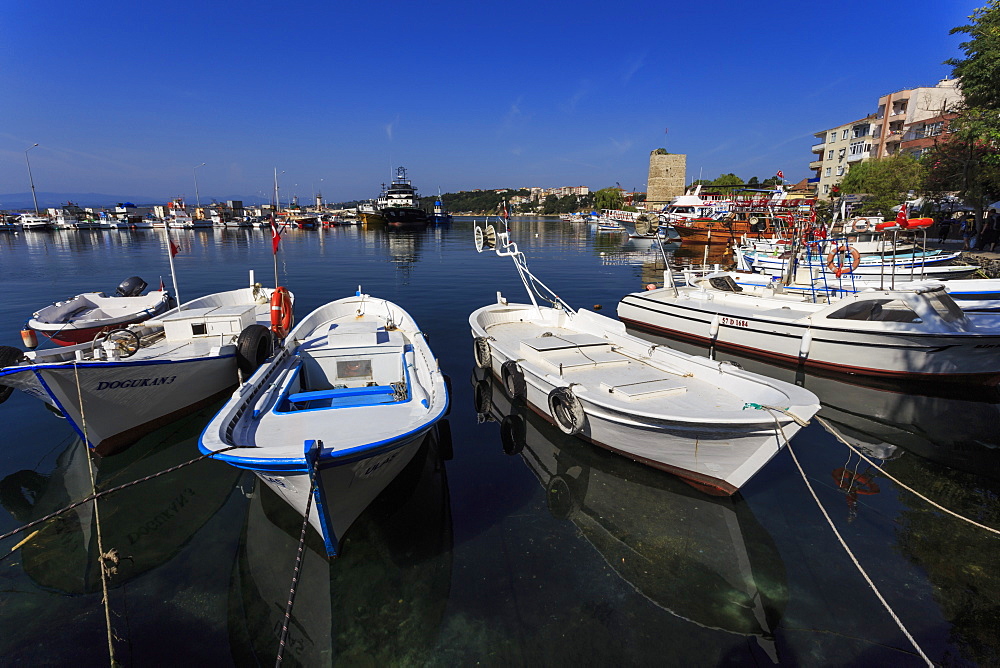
(131,287)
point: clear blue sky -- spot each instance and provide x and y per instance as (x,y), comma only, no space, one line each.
(127,97)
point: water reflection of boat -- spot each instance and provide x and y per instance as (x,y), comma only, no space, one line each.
(704,559)
(380,602)
(940,423)
(146,524)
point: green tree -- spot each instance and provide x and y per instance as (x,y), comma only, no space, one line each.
(887,182)
(970,168)
(727,180)
(608,198)
(979,71)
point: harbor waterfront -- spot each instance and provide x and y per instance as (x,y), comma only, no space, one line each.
(558,553)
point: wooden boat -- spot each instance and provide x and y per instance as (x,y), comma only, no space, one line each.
(917,334)
(337,413)
(81,318)
(135,379)
(710,423)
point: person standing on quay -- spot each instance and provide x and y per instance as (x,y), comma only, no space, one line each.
(944,227)
(968,232)
(991,232)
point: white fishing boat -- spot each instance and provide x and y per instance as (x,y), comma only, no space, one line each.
(81,318)
(337,413)
(34,222)
(933,264)
(707,422)
(916,334)
(132,380)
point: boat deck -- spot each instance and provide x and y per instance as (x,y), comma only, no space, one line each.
(625,380)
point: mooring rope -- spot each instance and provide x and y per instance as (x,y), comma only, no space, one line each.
(102,558)
(904,486)
(843,543)
(112,490)
(298,565)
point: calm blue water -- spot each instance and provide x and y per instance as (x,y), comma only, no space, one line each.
(560,554)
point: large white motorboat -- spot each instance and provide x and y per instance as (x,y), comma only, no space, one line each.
(916,334)
(134,379)
(79,319)
(338,412)
(396,206)
(34,222)
(707,422)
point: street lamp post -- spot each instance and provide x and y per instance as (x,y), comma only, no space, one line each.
(277,202)
(197,196)
(31,180)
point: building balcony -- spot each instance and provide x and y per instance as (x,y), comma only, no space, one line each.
(816,164)
(857,157)
(818,148)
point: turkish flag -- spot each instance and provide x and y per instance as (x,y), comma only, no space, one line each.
(275,236)
(901,216)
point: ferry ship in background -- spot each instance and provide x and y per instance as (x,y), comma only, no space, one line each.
(396,206)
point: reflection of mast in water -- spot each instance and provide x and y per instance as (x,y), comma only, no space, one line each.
(703,559)
(382,599)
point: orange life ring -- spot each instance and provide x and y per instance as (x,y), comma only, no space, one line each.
(837,269)
(281,312)
(861,225)
(914,223)
(855,482)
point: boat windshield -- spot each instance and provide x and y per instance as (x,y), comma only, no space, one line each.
(876,310)
(945,306)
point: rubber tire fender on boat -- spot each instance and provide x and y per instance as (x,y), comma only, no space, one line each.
(513,380)
(125,340)
(512,434)
(253,346)
(281,312)
(561,500)
(482,353)
(566,410)
(482,396)
(9,356)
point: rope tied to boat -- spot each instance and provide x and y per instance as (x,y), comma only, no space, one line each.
(98,495)
(857,564)
(312,457)
(903,485)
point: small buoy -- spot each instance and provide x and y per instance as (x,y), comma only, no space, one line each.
(597,307)
(29,338)
(651,286)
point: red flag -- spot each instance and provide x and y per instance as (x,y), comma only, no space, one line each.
(780,175)
(505,214)
(174,250)
(275,236)
(901,216)
(162,287)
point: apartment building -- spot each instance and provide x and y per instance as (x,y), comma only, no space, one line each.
(837,149)
(899,111)
(907,120)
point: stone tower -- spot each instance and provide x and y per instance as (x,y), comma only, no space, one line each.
(667,177)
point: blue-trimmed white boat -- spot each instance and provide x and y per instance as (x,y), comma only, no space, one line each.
(337,413)
(130,381)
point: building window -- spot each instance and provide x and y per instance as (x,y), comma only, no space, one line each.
(860,131)
(827,172)
(933,129)
(840,170)
(829,155)
(857,148)
(826,189)
(833,137)
(842,153)
(845,134)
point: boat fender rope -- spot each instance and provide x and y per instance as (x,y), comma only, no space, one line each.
(843,544)
(904,486)
(764,407)
(88,499)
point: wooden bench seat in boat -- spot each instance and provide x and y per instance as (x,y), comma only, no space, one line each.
(563,352)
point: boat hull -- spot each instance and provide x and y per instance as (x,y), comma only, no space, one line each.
(123,400)
(932,356)
(719,455)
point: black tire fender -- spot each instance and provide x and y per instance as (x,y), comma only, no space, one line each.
(566,410)
(481,350)
(513,380)
(512,434)
(253,346)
